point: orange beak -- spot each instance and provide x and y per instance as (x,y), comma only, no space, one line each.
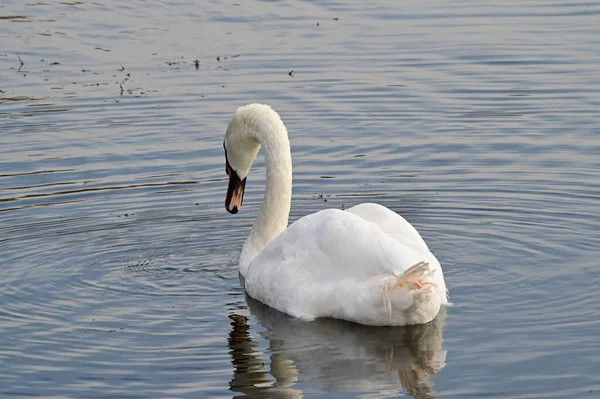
(235,190)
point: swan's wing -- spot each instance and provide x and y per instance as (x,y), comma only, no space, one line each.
(402,231)
(391,223)
(334,244)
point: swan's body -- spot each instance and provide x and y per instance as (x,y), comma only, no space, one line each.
(366,264)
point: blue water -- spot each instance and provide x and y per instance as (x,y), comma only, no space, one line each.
(118,264)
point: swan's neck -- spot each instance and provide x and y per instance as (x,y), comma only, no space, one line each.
(273,216)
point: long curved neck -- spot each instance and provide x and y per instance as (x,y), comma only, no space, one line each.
(273,216)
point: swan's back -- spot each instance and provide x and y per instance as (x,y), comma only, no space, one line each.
(391,223)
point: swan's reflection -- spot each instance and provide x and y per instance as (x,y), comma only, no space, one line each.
(341,356)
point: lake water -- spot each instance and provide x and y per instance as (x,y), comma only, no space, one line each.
(477,121)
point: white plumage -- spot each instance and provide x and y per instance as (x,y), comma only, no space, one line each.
(366,264)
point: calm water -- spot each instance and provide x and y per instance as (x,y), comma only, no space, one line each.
(118,263)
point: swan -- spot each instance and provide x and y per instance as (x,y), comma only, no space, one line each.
(365,264)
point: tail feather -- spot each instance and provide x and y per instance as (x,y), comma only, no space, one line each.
(412,279)
(415,274)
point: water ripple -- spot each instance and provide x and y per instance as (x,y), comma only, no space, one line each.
(477,122)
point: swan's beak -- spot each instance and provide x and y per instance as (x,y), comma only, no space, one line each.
(235,191)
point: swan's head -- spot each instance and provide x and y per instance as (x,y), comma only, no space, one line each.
(241,148)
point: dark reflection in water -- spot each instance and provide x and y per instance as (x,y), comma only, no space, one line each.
(341,355)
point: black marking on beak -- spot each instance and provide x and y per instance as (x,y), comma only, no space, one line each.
(235,189)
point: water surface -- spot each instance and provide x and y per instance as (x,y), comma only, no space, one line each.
(477,122)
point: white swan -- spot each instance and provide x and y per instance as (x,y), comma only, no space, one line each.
(366,264)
